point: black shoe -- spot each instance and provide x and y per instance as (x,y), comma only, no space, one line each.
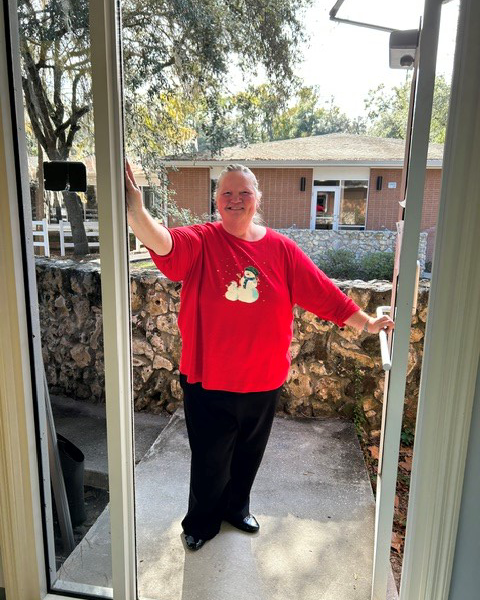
(193,543)
(248,524)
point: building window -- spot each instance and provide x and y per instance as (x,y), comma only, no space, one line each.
(327,182)
(353,204)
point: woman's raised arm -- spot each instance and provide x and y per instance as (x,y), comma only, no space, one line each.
(148,231)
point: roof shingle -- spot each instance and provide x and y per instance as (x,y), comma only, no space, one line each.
(334,147)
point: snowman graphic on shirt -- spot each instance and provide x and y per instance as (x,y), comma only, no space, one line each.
(246,289)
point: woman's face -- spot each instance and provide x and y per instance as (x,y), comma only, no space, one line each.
(236,198)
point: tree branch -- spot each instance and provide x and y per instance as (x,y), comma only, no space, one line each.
(38,100)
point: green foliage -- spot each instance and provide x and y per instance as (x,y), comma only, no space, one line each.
(388,111)
(176,56)
(307,117)
(269,112)
(343,264)
(376,265)
(164,205)
(359,419)
(407,436)
(340,264)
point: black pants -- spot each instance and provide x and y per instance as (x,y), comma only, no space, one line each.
(228,433)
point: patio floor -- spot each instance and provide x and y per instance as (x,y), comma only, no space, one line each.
(312,498)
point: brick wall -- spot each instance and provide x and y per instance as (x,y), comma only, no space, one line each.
(431,204)
(383,205)
(382,209)
(192,188)
(283,204)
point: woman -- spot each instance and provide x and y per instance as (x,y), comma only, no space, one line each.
(240,283)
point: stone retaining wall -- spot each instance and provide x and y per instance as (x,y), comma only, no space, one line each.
(335,372)
(315,243)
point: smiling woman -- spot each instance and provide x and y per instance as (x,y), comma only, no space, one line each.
(241,281)
(238,199)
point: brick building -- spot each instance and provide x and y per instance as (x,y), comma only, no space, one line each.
(335,181)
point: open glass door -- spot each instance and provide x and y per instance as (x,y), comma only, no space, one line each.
(63,69)
(404,289)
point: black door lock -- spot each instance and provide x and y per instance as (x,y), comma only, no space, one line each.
(64,176)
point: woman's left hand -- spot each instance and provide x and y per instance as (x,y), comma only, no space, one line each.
(376,325)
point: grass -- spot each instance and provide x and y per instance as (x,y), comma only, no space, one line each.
(142,264)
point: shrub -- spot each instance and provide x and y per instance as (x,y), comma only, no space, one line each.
(376,265)
(343,264)
(340,264)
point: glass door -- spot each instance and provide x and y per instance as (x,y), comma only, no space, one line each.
(403,292)
(63,78)
(325,207)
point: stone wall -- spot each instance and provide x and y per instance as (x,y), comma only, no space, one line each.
(335,372)
(316,243)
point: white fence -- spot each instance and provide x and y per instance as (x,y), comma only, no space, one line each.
(64,230)
(40,229)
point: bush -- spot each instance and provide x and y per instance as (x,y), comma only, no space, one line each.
(343,264)
(339,264)
(376,265)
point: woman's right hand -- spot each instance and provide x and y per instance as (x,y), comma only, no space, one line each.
(133,193)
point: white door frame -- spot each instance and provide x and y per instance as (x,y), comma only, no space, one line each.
(395,380)
(448,376)
(114,259)
(336,204)
(21,516)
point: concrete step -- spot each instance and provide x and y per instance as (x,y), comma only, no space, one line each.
(312,498)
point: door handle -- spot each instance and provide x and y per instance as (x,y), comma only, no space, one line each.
(386,359)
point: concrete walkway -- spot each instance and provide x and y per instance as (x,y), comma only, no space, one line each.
(85,426)
(312,498)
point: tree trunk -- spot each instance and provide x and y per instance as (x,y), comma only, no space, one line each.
(40,195)
(75,217)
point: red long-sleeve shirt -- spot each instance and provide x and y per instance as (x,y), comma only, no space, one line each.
(236,317)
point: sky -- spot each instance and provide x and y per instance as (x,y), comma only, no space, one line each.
(347,61)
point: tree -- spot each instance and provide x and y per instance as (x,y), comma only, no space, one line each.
(54,43)
(177,53)
(307,117)
(261,114)
(388,111)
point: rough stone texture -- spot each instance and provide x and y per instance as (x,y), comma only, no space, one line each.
(315,243)
(335,372)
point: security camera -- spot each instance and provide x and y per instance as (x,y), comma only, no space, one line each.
(403,45)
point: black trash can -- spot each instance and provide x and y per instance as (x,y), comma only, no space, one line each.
(72,460)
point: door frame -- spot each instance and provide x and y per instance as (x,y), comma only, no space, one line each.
(395,379)
(336,204)
(451,358)
(442,432)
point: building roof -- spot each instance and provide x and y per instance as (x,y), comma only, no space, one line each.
(329,148)
(342,149)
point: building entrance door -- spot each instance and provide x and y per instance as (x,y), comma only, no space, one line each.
(325,208)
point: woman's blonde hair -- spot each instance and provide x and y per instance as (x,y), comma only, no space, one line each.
(257,218)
